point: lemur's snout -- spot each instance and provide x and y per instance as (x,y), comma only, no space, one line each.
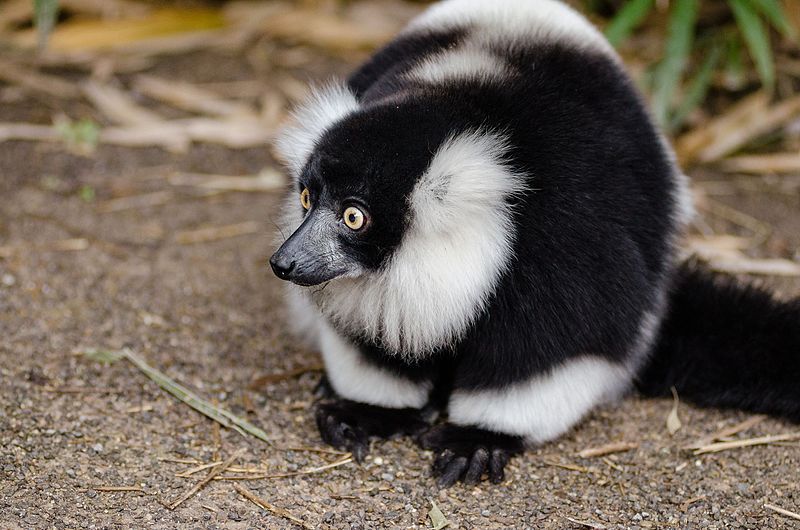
(282,266)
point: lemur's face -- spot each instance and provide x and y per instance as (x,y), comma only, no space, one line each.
(353,196)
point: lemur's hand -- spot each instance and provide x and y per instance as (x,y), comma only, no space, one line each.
(466,453)
(349,425)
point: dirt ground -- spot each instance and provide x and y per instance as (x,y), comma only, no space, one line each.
(210,315)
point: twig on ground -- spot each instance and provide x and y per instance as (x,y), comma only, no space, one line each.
(137,489)
(346,460)
(131,202)
(688,502)
(118,106)
(616,447)
(215,233)
(62,245)
(736,444)
(263,380)
(782,511)
(258,501)
(32,80)
(208,478)
(587,524)
(192,98)
(571,467)
(266,180)
(749,423)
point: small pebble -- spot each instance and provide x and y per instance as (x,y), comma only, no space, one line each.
(486,513)
(8,280)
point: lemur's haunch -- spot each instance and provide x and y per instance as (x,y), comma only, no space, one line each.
(485,220)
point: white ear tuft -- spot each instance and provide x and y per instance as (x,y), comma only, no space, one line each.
(324,107)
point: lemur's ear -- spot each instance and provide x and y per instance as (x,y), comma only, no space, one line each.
(323,107)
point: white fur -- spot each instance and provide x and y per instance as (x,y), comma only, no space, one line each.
(466,62)
(548,405)
(354,378)
(506,22)
(447,266)
(304,319)
(318,113)
(683,199)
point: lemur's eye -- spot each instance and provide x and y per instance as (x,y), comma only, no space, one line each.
(353,218)
(305,198)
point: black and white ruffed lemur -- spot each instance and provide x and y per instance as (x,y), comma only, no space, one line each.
(484,219)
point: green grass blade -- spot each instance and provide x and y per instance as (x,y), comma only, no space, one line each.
(698,88)
(774,12)
(45,15)
(757,40)
(628,19)
(680,37)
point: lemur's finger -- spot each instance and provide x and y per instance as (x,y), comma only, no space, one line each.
(476,466)
(453,472)
(497,464)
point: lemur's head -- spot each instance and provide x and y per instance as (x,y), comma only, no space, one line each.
(401,208)
(352,192)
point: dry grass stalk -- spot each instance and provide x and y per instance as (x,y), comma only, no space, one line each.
(28,131)
(118,488)
(267,180)
(688,502)
(689,146)
(262,503)
(261,381)
(208,478)
(603,450)
(571,467)
(327,31)
(192,98)
(117,105)
(782,511)
(63,245)
(342,461)
(727,432)
(744,122)
(586,524)
(737,444)
(16,74)
(215,233)
(763,164)
(135,202)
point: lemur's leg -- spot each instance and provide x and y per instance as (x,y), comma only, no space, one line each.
(368,400)
(489,422)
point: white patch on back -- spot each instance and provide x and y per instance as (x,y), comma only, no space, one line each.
(545,407)
(451,257)
(354,378)
(466,62)
(323,108)
(506,22)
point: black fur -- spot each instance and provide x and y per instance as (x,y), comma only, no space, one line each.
(727,344)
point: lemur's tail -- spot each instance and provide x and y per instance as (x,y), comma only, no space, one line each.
(727,344)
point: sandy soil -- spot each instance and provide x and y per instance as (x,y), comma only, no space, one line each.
(210,315)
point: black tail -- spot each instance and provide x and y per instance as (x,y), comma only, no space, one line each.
(726,344)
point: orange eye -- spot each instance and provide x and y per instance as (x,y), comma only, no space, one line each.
(305,198)
(353,218)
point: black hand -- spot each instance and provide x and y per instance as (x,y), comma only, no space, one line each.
(466,453)
(349,425)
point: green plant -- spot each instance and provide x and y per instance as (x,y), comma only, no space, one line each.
(45,16)
(693,53)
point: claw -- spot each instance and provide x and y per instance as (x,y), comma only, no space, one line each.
(453,471)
